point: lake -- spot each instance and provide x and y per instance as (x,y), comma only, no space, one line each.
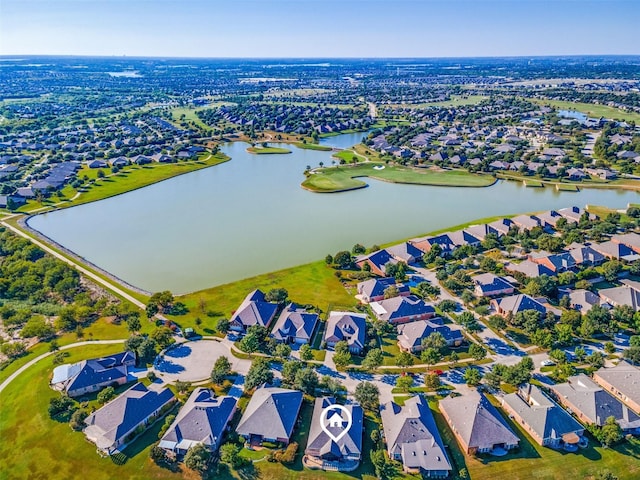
(250,216)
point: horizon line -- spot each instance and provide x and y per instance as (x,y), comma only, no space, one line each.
(591,55)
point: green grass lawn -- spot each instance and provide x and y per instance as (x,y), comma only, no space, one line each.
(268,150)
(456,100)
(130,178)
(341,178)
(313,146)
(35,446)
(314,284)
(592,110)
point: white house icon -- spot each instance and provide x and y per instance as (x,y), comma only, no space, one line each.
(335,421)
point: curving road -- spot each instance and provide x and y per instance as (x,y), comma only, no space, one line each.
(30,363)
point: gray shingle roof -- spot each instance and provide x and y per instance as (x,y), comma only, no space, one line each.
(202,419)
(396,308)
(320,444)
(271,413)
(118,417)
(347,326)
(594,403)
(254,310)
(624,377)
(543,415)
(410,335)
(294,323)
(411,432)
(477,422)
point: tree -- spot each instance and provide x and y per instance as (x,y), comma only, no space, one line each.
(358,249)
(404,383)
(431,381)
(434,340)
(222,325)
(182,387)
(342,259)
(133,323)
(157,454)
(221,369)
(611,269)
(385,470)
(391,292)
(328,259)
(259,373)
(37,327)
(306,380)
(610,433)
(105,395)
(163,336)
(277,295)
(77,419)
(305,352)
(283,350)
(558,356)
(146,351)
(632,354)
(430,356)
(448,306)
(596,359)
(230,454)
(254,339)
(342,356)
(492,379)
(404,360)
(472,377)
(197,458)
(478,352)
(373,359)
(367,394)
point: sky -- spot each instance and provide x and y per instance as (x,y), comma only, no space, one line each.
(319,28)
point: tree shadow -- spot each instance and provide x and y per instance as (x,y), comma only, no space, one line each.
(249,472)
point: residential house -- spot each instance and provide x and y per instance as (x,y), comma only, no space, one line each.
(502,226)
(270,416)
(585,255)
(526,222)
(405,252)
(89,376)
(377,261)
(574,214)
(448,242)
(410,335)
(490,285)
(627,294)
(542,418)
(346,326)
(413,439)
(583,300)
(631,240)
(549,219)
(254,310)
(373,290)
(481,231)
(204,418)
(120,420)
(556,262)
(402,309)
(477,424)
(529,269)
(327,453)
(295,325)
(615,251)
(517,303)
(623,381)
(593,405)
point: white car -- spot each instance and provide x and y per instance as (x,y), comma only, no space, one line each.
(547,363)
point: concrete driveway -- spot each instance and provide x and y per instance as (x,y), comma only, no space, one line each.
(193,361)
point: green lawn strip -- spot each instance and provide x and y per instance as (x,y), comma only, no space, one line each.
(592,110)
(622,460)
(456,100)
(313,283)
(340,178)
(130,178)
(35,446)
(189,115)
(313,146)
(268,150)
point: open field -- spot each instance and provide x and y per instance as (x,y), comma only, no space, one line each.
(314,283)
(313,146)
(592,110)
(341,178)
(35,446)
(130,178)
(268,150)
(456,100)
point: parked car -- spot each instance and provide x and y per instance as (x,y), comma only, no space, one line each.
(547,363)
